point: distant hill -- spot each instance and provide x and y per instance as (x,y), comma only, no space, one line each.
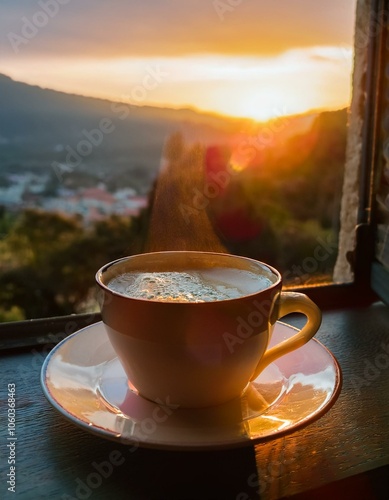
(42,121)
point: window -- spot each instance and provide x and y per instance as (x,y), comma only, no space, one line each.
(225,133)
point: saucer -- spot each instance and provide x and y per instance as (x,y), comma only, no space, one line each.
(84,380)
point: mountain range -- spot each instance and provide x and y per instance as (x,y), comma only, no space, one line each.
(39,126)
(40,123)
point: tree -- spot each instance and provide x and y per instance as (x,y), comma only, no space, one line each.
(52,261)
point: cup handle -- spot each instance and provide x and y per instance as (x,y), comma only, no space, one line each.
(292,302)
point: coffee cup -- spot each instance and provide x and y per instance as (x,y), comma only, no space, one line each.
(192,329)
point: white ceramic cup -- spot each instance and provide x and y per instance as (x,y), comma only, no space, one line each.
(198,354)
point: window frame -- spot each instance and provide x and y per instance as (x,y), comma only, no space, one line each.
(362,292)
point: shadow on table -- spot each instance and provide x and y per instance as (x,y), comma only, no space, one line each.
(86,466)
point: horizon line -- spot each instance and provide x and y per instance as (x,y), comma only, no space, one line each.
(184,107)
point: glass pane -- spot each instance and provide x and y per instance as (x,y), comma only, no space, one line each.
(129,127)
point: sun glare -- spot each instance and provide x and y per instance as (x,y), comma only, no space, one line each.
(259,88)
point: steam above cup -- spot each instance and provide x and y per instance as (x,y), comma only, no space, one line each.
(192,328)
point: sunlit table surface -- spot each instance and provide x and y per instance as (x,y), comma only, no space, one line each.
(344,454)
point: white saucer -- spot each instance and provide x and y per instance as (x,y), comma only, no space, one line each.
(83,379)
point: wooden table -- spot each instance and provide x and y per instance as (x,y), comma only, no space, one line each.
(345,454)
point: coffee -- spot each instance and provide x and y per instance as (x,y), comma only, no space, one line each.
(203,285)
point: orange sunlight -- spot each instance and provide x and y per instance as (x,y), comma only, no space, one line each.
(260,88)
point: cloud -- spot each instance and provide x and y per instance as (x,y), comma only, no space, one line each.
(101,29)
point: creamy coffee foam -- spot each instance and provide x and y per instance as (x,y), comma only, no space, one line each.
(189,286)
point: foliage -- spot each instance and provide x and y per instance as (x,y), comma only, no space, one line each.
(13,314)
(7,220)
(51,259)
(291,195)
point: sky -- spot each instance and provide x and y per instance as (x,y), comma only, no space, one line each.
(250,58)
